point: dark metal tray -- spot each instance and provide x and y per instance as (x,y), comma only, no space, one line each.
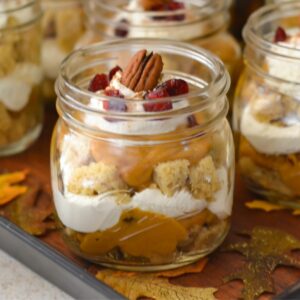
(52,265)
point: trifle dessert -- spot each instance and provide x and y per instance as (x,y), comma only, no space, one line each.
(202,23)
(20,75)
(62,26)
(142,156)
(267,112)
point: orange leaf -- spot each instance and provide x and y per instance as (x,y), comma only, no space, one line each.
(264,205)
(11,178)
(193,268)
(8,193)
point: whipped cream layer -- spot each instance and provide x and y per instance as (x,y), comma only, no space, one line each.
(16,87)
(270,139)
(92,213)
(133,127)
(52,56)
(284,68)
(143,26)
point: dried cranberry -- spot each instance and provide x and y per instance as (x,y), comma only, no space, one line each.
(152,107)
(280,35)
(113,72)
(176,87)
(171,6)
(99,82)
(114,105)
(160,92)
(122,29)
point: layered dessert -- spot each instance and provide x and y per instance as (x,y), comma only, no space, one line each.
(270,124)
(62,26)
(132,203)
(20,76)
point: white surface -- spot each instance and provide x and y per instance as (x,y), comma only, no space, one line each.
(17,282)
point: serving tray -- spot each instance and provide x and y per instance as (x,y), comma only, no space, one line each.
(49,256)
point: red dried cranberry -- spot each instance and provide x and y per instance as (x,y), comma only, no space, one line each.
(152,107)
(99,82)
(158,93)
(122,29)
(171,6)
(114,105)
(176,87)
(113,72)
(280,35)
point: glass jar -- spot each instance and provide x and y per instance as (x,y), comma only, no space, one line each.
(267,104)
(203,23)
(20,75)
(62,25)
(166,177)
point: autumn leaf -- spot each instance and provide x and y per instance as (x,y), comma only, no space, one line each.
(267,249)
(264,205)
(33,211)
(143,285)
(9,191)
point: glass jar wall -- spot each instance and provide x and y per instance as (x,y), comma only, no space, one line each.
(20,75)
(202,24)
(62,25)
(142,184)
(267,111)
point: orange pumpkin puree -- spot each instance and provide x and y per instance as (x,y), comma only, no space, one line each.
(287,166)
(138,233)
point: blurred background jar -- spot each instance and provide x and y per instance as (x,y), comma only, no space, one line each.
(267,104)
(62,25)
(201,23)
(143,189)
(20,75)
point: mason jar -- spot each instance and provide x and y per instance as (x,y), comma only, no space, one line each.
(142,184)
(202,23)
(62,25)
(20,75)
(267,104)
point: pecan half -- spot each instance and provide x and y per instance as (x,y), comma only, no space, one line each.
(143,71)
(150,4)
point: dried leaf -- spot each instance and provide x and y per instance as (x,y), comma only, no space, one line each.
(267,249)
(9,192)
(33,211)
(264,205)
(143,285)
(193,268)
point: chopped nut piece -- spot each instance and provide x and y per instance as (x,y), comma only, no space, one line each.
(172,176)
(95,179)
(204,180)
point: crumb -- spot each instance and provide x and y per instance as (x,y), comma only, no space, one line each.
(171,176)
(204,180)
(95,179)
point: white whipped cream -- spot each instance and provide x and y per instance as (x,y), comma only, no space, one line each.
(143,26)
(285,69)
(52,56)
(15,88)
(132,127)
(270,139)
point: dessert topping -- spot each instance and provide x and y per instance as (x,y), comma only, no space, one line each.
(143,71)
(113,72)
(99,82)
(114,105)
(280,35)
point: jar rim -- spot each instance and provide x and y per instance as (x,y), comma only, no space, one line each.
(218,87)
(265,15)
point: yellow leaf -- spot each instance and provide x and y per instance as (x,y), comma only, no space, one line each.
(143,285)
(264,205)
(8,191)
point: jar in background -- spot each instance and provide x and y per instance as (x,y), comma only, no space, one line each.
(20,75)
(142,184)
(202,24)
(267,104)
(62,25)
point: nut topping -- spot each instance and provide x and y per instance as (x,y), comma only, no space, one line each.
(143,71)
(150,4)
